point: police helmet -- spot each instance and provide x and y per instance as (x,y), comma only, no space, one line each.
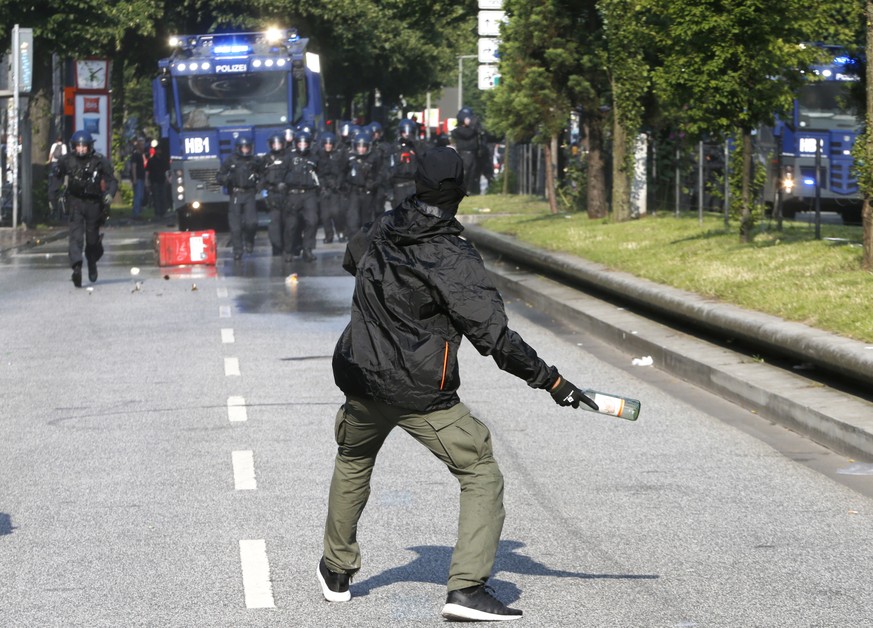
(362,142)
(327,138)
(276,143)
(289,136)
(243,146)
(307,127)
(303,140)
(375,128)
(345,129)
(407,128)
(464,113)
(82,139)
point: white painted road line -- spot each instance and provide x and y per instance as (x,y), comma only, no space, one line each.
(236,409)
(231,366)
(227,336)
(223,311)
(244,470)
(221,292)
(256,574)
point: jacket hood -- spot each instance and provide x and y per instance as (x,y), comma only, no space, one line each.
(414,221)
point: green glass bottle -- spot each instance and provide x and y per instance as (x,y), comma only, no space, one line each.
(613,405)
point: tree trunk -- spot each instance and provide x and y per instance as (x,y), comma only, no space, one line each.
(746,217)
(867,257)
(550,149)
(620,174)
(596,172)
(40,125)
(506,151)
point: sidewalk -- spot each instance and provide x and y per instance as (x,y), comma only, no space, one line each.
(21,238)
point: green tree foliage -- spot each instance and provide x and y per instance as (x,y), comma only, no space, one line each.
(627,38)
(732,65)
(542,61)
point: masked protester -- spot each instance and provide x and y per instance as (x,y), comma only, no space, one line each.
(419,288)
(91,186)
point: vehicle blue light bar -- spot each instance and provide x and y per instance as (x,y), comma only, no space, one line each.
(232,49)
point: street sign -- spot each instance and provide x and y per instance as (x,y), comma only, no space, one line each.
(25,60)
(489,23)
(488,76)
(490,4)
(488,50)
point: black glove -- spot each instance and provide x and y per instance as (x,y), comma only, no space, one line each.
(566,394)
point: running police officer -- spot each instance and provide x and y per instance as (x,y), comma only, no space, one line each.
(301,207)
(239,174)
(91,186)
(403,159)
(271,170)
(331,171)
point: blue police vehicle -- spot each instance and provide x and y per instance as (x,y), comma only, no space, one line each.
(216,87)
(823,116)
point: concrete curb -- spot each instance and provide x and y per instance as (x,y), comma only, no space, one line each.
(838,421)
(7,246)
(847,357)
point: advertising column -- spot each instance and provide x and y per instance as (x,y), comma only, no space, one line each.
(91,102)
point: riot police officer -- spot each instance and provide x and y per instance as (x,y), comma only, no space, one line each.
(91,186)
(271,170)
(402,161)
(363,178)
(301,207)
(331,170)
(383,152)
(239,175)
(466,138)
(348,130)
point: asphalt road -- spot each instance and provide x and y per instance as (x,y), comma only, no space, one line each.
(134,493)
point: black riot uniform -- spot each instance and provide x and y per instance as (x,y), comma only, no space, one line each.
(91,185)
(363,178)
(467,137)
(383,186)
(272,168)
(402,161)
(331,169)
(301,207)
(239,175)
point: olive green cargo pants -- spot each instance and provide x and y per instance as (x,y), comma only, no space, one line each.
(454,436)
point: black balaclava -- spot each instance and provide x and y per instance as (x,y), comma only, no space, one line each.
(439,178)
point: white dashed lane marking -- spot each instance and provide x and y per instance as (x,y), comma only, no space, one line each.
(231,366)
(227,336)
(221,292)
(256,574)
(244,470)
(236,409)
(223,311)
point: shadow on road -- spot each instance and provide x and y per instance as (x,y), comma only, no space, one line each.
(432,566)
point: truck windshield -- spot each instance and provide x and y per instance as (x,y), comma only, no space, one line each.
(826,105)
(212,101)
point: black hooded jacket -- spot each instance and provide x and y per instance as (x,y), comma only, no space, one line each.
(420,287)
